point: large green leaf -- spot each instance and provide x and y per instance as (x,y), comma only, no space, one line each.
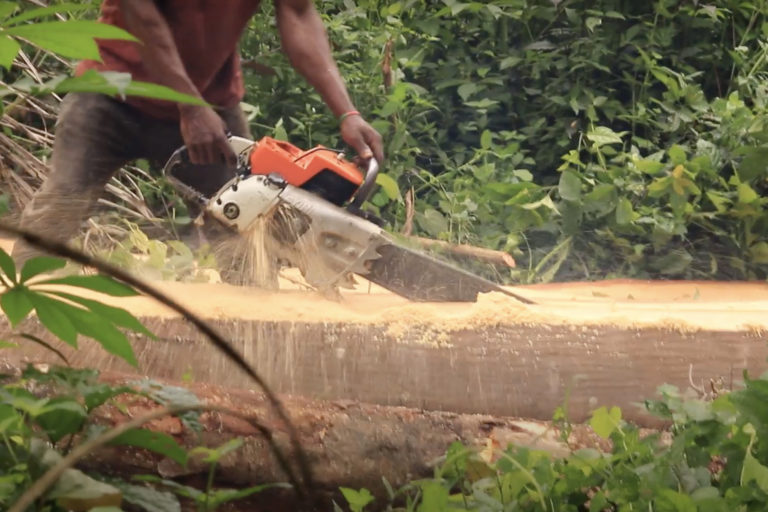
(120,84)
(605,422)
(753,470)
(39,265)
(100,329)
(10,419)
(435,497)
(389,186)
(9,48)
(221,496)
(106,334)
(74,39)
(53,314)
(98,283)
(46,11)
(754,164)
(61,416)
(148,498)
(357,500)
(116,315)
(624,212)
(6,9)
(97,394)
(570,186)
(8,266)
(157,442)
(77,492)
(602,135)
(668,500)
(16,304)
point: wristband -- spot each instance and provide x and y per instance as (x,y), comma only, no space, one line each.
(345,115)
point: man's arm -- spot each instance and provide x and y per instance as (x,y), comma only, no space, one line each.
(305,42)
(203,131)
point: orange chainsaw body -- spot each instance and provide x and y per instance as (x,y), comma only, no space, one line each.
(319,169)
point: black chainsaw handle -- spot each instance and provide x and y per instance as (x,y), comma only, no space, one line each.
(369,182)
(181,155)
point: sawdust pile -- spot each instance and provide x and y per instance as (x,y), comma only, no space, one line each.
(490,310)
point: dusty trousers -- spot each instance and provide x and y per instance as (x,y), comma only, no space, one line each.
(95,136)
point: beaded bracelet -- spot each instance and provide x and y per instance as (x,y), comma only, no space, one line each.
(345,115)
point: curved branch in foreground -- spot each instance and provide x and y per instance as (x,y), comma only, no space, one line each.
(62,250)
(42,484)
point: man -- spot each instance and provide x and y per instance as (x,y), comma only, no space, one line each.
(190,46)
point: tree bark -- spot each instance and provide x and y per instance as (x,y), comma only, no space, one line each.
(348,443)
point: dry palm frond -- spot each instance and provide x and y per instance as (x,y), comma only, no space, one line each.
(27,136)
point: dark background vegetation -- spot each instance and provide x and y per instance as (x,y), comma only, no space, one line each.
(592,139)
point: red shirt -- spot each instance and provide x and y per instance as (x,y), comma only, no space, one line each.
(206,33)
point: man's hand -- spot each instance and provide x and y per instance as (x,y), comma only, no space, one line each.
(203,131)
(363,137)
(204,134)
(305,42)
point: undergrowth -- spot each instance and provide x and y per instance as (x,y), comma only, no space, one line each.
(712,458)
(592,139)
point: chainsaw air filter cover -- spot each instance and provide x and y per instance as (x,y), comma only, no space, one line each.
(320,170)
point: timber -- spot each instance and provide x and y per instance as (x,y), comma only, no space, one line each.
(349,444)
(598,344)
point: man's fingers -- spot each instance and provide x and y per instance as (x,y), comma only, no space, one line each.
(194,154)
(211,153)
(228,155)
(376,145)
(361,147)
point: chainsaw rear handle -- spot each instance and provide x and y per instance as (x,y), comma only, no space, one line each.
(365,190)
(181,155)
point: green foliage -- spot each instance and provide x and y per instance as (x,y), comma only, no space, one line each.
(64,314)
(591,139)
(66,418)
(206,501)
(162,260)
(716,459)
(35,430)
(71,38)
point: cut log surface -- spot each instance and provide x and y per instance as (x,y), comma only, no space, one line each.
(607,343)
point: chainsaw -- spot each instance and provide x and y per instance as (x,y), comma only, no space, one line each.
(314,200)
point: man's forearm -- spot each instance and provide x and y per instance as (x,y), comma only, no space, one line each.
(158,49)
(305,42)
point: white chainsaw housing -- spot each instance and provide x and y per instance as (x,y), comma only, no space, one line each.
(331,244)
(243,200)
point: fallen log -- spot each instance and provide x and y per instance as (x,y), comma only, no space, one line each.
(349,444)
(467,251)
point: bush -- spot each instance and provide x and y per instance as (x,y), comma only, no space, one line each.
(592,139)
(712,460)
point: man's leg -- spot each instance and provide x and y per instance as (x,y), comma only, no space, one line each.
(93,140)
